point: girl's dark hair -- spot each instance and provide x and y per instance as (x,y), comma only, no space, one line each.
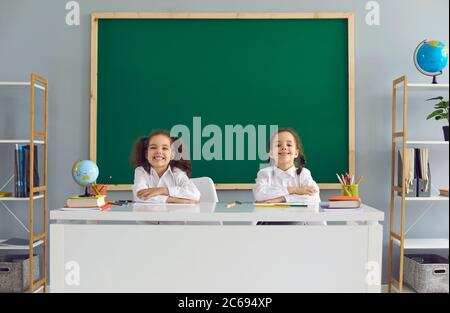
(139,154)
(300,160)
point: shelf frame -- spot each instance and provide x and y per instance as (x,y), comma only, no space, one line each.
(36,137)
(401,84)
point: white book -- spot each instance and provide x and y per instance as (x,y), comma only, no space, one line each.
(82,209)
(344,204)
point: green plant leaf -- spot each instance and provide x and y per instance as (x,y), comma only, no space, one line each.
(436,98)
(442,104)
(435,113)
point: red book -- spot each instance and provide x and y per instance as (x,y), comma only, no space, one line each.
(344,202)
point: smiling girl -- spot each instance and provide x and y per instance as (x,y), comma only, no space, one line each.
(287,180)
(158,177)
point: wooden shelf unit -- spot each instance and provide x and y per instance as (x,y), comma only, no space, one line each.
(37,137)
(399,239)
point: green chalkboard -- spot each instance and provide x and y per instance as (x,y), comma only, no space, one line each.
(158,73)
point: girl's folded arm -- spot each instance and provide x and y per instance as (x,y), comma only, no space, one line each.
(309,181)
(263,190)
(140,183)
(184,188)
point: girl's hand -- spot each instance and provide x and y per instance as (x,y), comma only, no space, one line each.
(274,200)
(181,200)
(151,192)
(308,190)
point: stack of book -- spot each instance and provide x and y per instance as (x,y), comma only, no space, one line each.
(93,202)
(22,170)
(443,192)
(342,203)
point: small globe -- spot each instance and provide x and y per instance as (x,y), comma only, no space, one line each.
(85,172)
(431,57)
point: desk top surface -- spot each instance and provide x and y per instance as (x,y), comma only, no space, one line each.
(217,212)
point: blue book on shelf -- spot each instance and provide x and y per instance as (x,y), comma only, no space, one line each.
(21,172)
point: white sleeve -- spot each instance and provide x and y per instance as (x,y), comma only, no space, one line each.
(140,183)
(155,199)
(301,198)
(184,188)
(308,181)
(263,190)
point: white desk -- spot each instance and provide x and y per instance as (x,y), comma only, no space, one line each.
(93,251)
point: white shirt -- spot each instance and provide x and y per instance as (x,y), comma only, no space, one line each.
(273,182)
(176,181)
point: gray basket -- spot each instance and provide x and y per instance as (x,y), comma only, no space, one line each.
(426,273)
(14,272)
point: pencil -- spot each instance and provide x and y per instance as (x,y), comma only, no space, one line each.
(359,180)
(272,206)
(340,180)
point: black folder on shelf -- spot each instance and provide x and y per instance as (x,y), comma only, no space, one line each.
(423,183)
(27,169)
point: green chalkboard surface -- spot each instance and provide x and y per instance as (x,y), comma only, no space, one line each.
(158,73)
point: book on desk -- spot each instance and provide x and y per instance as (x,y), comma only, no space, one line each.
(342,204)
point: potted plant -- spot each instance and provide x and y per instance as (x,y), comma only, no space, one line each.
(440,113)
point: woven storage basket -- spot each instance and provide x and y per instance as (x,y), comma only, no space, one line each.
(14,272)
(426,272)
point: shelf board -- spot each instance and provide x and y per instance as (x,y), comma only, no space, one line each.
(425,86)
(21,199)
(20,247)
(411,244)
(435,198)
(21,84)
(426,142)
(25,141)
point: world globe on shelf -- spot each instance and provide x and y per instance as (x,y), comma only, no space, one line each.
(85,173)
(431,57)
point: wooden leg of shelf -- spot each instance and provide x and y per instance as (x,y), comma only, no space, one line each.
(40,283)
(396,284)
(391,215)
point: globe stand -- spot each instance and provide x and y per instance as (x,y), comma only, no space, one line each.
(86,193)
(434,80)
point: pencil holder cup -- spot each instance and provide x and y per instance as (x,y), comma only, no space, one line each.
(350,190)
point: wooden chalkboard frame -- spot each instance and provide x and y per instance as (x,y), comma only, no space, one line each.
(95,16)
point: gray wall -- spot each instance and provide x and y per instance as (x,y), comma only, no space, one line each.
(35,38)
